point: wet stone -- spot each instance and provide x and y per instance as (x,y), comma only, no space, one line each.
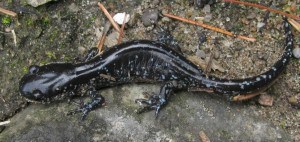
(149,17)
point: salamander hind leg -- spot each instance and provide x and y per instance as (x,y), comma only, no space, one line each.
(96,102)
(156,102)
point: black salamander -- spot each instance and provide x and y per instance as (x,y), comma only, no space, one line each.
(140,61)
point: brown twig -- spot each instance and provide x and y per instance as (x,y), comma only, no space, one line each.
(121,33)
(109,17)
(103,37)
(264,7)
(295,24)
(209,27)
(244,97)
(209,63)
(8,12)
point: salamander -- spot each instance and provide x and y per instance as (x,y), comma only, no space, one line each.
(140,61)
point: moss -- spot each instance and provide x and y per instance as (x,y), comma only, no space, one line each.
(25,69)
(29,22)
(50,55)
(46,20)
(54,35)
(6,20)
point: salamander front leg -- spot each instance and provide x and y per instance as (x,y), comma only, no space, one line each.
(91,54)
(97,101)
(156,102)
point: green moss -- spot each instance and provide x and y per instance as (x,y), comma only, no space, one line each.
(50,55)
(29,22)
(54,35)
(6,20)
(46,20)
(25,69)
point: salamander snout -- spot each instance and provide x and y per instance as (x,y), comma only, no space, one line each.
(42,83)
(32,85)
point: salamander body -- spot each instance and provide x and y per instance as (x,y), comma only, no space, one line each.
(141,61)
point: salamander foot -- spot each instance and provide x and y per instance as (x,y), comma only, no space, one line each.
(153,103)
(86,108)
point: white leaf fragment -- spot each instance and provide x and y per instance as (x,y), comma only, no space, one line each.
(119,18)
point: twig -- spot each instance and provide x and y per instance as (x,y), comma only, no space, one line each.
(14,37)
(109,17)
(244,97)
(209,63)
(209,27)
(295,24)
(103,37)
(122,29)
(264,7)
(4,123)
(8,12)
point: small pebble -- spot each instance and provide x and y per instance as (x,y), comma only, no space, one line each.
(295,100)
(200,54)
(217,54)
(260,25)
(206,9)
(265,100)
(149,17)
(81,50)
(296,52)
(251,15)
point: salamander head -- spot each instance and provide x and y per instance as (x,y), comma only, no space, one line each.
(42,83)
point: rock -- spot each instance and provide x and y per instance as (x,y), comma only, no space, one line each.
(260,25)
(149,17)
(296,52)
(295,100)
(206,9)
(73,7)
(265,100)
(36,3)
(181,120)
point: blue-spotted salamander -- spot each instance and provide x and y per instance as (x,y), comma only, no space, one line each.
(141,61)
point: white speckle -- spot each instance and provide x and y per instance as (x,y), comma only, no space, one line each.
(242,86)
(270,76)
(274,69)
(163,77)
(207,85)
(284,60)
(289,43)
(246,83)
(257,78)
(286,25)
(119,18)
(136,56)
(264,76)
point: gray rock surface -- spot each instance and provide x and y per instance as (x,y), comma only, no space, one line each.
(36,3)
(181,120)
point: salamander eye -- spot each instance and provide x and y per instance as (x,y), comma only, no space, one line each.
(34,69)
